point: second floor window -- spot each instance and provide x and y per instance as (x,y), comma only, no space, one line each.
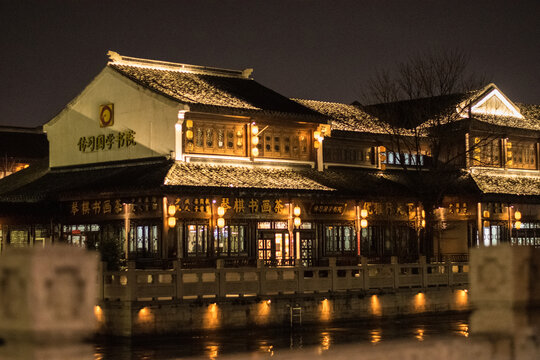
(348,154)
(396,158)
(521,155)
(215,138)
(285,143)
(486,152)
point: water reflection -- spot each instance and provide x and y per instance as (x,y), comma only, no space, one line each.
(463,329)
(325,342)
(268,342)
(419,334)
(211,351)
(376,336)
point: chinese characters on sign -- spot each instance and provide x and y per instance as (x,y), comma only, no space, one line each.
(107,141)
(236,205)
(455,208)
(113,206)
(328,208)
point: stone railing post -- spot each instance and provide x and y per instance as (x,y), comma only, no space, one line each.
(503,282)
(448,270)
(131,281)
(395,270)
(221,278)
(299,269)
(262,276)
(423,267)
(177,266)
(47,302)
(102,268)
(333,273)
(365,272)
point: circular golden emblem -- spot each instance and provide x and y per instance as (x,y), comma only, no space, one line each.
(105,116)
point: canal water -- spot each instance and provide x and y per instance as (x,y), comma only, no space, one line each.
(272,341)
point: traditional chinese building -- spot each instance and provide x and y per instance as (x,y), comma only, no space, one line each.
(180,162)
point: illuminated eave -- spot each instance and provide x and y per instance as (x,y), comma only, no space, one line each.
(510,109)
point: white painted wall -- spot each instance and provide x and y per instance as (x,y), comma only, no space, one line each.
(150,115)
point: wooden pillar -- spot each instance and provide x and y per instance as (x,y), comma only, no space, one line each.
(479,224)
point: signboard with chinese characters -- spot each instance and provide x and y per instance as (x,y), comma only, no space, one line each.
(390,208)
(148,205)
(337,209)
(106,142)
(232,205)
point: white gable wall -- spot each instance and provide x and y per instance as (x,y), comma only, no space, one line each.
(152,117)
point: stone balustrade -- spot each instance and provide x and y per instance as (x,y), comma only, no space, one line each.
(185,284)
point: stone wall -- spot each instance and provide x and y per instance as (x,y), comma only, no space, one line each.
(138,317)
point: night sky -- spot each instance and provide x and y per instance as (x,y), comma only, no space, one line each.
(323,50)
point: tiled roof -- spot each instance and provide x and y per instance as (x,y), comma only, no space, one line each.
(497,182)
(417,112)
(215,93)
(239,176)
(22,144)
(346,117)
(41,183)
(424,111)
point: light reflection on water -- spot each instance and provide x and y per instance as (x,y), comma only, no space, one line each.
(324,338)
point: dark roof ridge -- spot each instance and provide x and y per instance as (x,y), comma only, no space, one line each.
(116,164)
(117,59)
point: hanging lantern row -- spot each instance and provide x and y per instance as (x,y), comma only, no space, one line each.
(254,140)
(220,220)
(363,215)
(171,220)
(517,216)
(296,212)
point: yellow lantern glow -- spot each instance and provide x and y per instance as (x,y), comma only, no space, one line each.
(297,211)
(363,213)
(254,140)
(297,221)
(486,224)
(517,215)
(221,211)
(255,151)
(189,124)
(423,214)
(171,221)
(423,223)
(363,223)
(171,210)
(316,144)
(189,134)
(486,214)
(254,129)
(518,225)
(220,222)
